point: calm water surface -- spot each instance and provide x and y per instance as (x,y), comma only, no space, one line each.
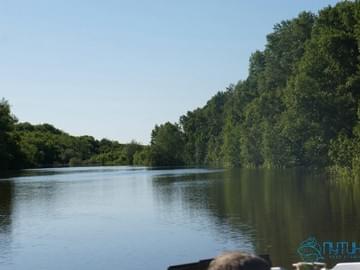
(136,218)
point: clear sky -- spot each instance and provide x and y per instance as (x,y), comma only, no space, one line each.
(115,68)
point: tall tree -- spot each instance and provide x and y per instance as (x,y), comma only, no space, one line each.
(10,156)
(167,145)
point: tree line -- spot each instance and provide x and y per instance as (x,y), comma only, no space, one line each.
(298,107)
(23,145)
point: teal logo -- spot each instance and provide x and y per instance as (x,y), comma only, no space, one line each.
(310,250)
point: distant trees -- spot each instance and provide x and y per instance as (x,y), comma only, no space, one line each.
(167,145)
(10,155)
(142,157)
(112,153)
(23,145)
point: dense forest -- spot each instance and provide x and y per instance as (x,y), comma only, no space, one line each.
(298,107)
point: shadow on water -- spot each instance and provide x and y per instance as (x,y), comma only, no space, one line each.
(277,209)
(6,205)
(6,210)
(13,193)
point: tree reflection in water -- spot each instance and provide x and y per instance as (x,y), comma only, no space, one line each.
(273,209)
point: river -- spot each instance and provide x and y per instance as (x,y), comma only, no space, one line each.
(139,218)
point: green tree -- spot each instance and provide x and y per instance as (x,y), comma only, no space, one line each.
(10,155)
(167,145)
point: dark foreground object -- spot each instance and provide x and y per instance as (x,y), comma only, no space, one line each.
(204,264)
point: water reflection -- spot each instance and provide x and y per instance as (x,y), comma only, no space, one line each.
(6,209)
(6,205)
(277,210)
(113,217)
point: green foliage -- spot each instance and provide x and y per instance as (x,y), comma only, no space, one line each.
(231,145)
(142,157)
(25,145)
(167,145)
(345,152)
(10,155)
(298,105)
(203,130)
(113,153)
(44,145)
(243,126)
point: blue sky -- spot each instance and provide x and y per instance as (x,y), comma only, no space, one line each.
(114,69)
